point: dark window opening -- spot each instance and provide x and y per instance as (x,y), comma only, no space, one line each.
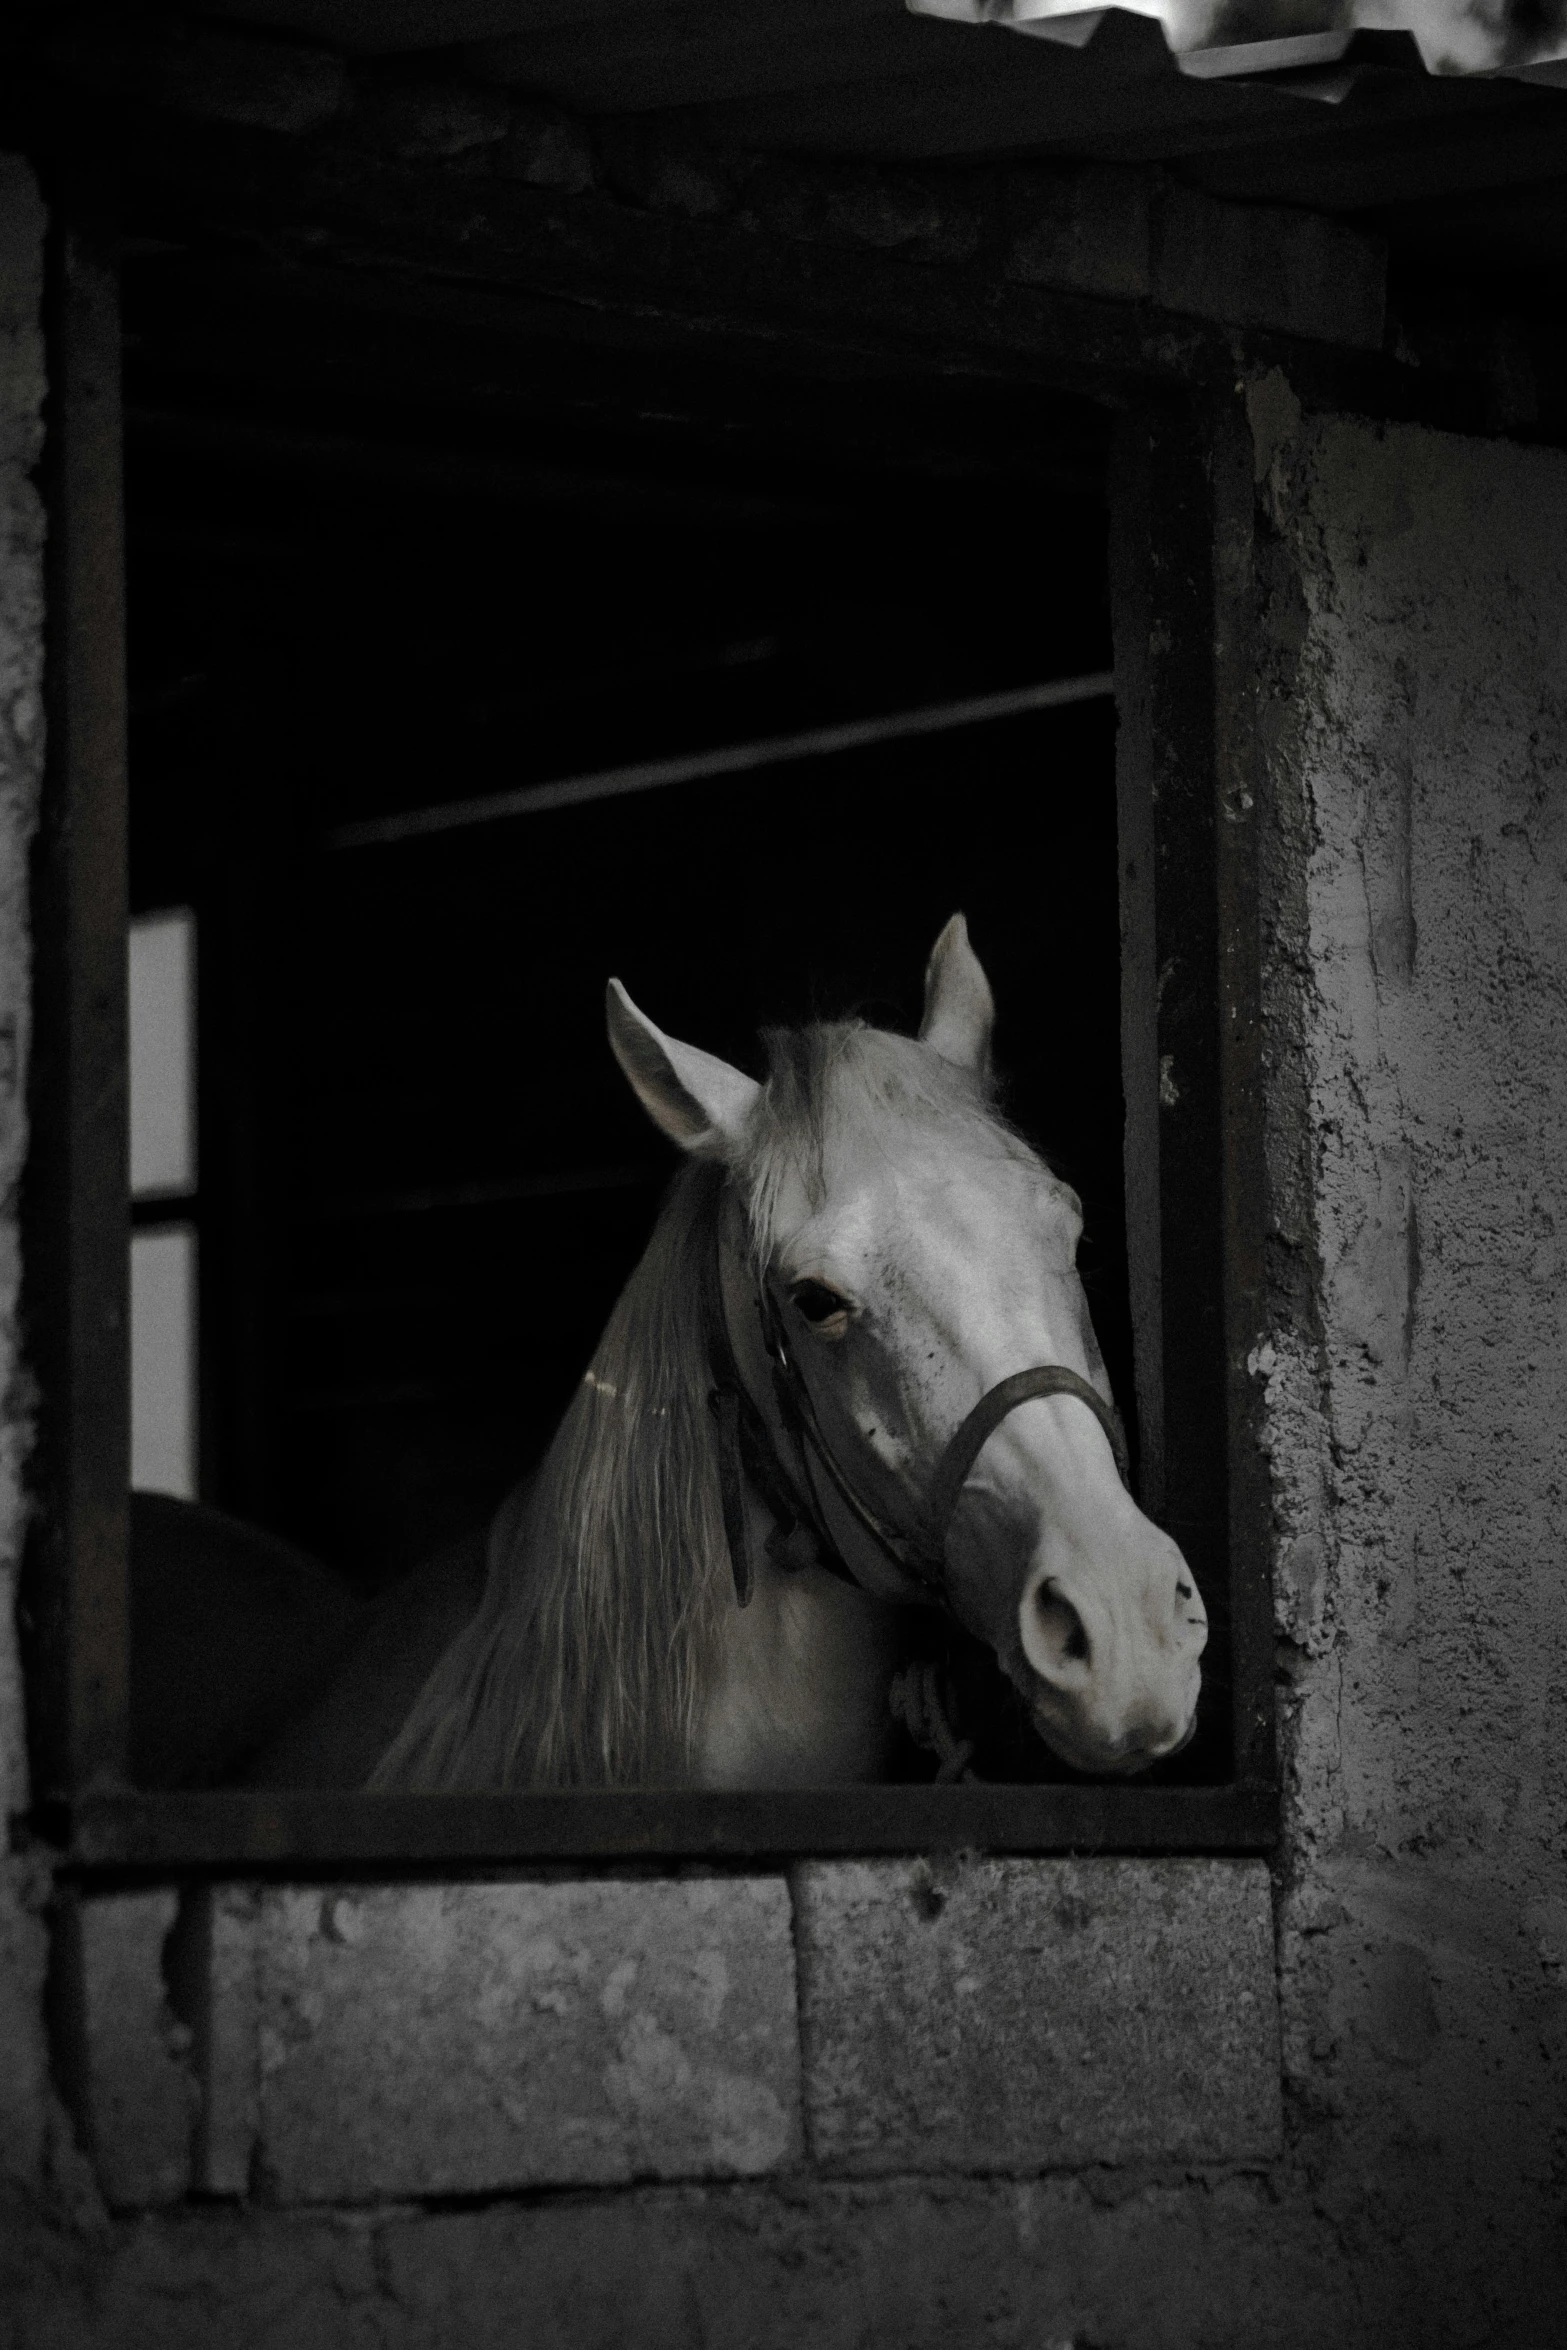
(424,1179)
(383,579)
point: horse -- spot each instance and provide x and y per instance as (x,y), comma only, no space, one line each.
(852,1381)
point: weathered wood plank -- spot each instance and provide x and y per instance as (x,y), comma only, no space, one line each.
(297,1833)
(1240,784)
(77,1212)
(1136,649)
(615,265)
(1172,510)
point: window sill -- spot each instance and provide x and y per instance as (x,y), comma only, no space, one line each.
(301,1832)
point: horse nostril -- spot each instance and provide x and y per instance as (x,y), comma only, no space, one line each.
(1183,1589)
(1066,1641)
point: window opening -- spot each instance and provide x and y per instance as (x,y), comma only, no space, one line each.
(276,642)
(710,730)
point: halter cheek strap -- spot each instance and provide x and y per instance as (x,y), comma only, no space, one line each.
(746,1453)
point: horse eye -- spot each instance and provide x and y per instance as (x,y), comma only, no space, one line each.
(817,1302)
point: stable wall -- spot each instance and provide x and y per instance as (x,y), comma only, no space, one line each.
(1412,730)
(1105,2102)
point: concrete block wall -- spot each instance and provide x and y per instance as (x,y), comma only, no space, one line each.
(1026,2015)
(123,2047)
(1411,720)
(463,2039)
(358,2044)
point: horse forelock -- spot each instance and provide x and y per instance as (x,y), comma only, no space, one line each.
(843,1075)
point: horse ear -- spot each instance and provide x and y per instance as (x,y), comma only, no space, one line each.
(960,1010)
(698,1100)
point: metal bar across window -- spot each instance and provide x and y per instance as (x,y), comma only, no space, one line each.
(300,1831)
(821,742)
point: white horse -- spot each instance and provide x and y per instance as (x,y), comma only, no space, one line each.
(804,1420)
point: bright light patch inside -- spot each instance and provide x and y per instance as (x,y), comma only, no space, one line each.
(163,1055)
(163,1361)
(164,1273)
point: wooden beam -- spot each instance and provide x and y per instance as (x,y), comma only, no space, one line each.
(1239,787)
(977,94)
(1137,639)
(1176,932)
(695,55)
(310,1833)
(603,270)
(384,28)
(76,1215)
(747,758)
(1468,141)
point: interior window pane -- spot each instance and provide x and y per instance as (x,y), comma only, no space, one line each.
(163,1054)
(163,1361)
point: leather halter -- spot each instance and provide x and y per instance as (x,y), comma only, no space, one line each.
(801,1534)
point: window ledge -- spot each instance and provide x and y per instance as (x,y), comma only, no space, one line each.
(303,1832)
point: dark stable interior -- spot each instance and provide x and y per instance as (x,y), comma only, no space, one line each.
(354,591)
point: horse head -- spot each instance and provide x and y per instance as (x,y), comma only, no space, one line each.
(893,1254)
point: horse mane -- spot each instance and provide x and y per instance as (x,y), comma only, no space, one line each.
(589,1659)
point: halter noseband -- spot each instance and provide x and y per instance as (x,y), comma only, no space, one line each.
(746,1441)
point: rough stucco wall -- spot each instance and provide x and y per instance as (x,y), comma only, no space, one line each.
(24,2102)
(1416,731)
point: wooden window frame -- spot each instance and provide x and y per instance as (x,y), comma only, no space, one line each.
(1195,1216)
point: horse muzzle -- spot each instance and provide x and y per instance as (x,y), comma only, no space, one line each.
(1114,1662)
